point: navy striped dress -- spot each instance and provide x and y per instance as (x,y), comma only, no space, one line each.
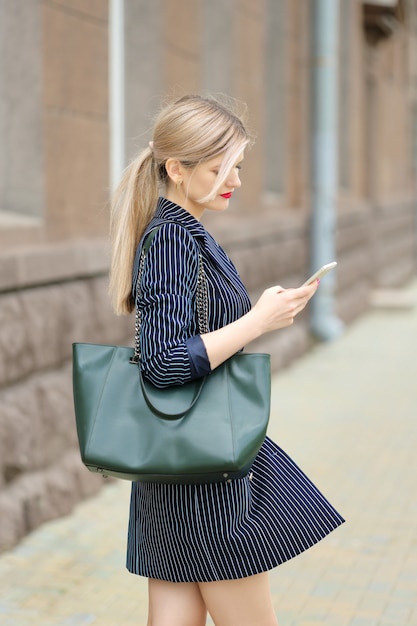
(219,531)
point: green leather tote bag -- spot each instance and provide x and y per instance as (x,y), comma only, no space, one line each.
(207,430)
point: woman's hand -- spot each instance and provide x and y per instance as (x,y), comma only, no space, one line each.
(277,307)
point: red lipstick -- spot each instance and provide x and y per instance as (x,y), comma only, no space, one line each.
(226,195)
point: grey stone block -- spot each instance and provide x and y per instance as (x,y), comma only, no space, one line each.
(13,525)
(42,318)
(41,496)
(19,419)
(39,325)
(37,423)
(16,358)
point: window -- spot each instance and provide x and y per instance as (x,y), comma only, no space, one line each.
(21,141)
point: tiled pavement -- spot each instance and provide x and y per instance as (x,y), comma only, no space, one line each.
(347,413)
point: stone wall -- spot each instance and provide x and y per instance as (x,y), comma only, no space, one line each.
(59,295)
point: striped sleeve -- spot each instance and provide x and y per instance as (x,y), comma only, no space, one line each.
(166,301)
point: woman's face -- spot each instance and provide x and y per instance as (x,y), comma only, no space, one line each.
(198,182)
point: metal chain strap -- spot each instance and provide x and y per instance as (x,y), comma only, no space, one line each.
(201,301)
(136,357)
(202,297)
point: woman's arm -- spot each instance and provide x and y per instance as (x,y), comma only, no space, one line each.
(275,309)
(166,303)
(170,353)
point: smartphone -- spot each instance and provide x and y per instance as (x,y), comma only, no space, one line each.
(320,273)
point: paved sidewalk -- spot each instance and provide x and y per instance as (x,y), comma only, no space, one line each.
(347,413)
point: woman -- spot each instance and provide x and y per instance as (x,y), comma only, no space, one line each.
(204,548)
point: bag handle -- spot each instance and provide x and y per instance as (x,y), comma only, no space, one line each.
(164,414)
(202,315)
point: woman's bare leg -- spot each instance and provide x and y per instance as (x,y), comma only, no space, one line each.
(243,602)
(175,604)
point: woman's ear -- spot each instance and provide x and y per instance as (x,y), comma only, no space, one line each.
(174,169)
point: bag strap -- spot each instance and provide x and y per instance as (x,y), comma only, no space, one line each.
(202,313)
(201,292)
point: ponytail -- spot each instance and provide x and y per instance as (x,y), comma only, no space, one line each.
(131,211)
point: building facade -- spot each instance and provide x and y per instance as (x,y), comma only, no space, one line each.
(58,92)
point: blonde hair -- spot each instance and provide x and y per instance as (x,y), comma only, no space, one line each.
(191,130)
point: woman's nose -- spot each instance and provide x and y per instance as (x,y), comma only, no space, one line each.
(234,180)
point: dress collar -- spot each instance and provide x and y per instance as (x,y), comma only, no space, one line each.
(167,211)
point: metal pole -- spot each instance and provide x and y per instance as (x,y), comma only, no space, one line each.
(324,152)
(116,91)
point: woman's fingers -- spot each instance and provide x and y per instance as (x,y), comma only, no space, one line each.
(279,306)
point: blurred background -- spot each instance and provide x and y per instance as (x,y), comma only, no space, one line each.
(331,94)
